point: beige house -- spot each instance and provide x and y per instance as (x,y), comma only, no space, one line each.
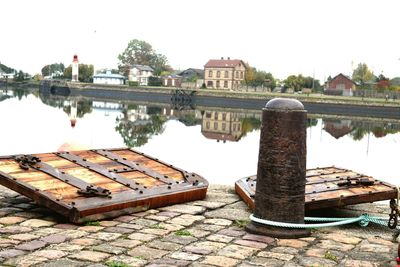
(224,73)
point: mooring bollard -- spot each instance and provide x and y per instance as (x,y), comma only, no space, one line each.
(281,174)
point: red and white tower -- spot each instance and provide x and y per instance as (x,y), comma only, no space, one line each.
(75,69)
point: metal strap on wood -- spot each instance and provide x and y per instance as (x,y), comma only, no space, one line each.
(134,165)
(85,188)
(99,169)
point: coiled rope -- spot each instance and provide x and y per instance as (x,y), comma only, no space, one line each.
(362,220)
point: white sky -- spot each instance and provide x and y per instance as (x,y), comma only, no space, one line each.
(280,36)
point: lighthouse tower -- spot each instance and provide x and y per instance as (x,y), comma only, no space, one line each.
(75,69)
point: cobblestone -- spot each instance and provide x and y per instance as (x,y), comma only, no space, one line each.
(197,234)
(90,256)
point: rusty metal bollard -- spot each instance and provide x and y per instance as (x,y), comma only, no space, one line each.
(281,174)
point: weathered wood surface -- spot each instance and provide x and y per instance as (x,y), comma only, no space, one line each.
(135,181)
(323,189)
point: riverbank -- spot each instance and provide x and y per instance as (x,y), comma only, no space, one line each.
(201,233)
(245,94)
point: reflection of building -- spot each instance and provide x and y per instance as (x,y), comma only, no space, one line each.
(221,126)
(342,85)
(139,115)
(107,107)
(108,78)
(140,74)
(224,73)
(337,128)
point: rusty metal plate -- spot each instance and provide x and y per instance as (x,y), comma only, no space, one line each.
(96,184)
(329,187)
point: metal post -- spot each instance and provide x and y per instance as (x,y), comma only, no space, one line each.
(281,174)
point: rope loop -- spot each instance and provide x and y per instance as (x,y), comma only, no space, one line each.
(363,220)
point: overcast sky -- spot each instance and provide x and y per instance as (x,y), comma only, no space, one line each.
(282,37)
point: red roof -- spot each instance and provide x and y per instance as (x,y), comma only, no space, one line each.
(223,63)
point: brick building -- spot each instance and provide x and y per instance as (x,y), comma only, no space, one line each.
(341,83)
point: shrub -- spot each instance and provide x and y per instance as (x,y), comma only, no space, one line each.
(133,83)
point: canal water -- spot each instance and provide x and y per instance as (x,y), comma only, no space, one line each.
(220,145)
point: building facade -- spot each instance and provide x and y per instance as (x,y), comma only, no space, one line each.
(140,74)
(341,83)
(224,73)
(108,78)
(171,80)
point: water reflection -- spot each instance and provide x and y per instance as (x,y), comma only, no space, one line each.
(189,138)
(137,123)
(357,129)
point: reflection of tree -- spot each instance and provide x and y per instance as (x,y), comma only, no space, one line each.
(378,129)
(311,122)
(19,93)
(358,133)
(189,119)
(137,133)
(249,125)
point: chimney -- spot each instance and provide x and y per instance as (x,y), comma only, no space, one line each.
(222,58)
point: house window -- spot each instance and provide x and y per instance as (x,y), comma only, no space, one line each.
(241,75)
(215,125)
(217,84)
(208,125)
(208,115)
(237,75)
(225,84)
(210,73)
(226,75)
(234,127)
(218,74)
(223,126)
(238,127)
(209,84)
(224,116)
(216,116)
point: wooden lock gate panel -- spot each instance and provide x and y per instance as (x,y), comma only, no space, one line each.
(329,187)
(96,184)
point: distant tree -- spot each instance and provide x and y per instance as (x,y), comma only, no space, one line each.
(85,73)
(141,52)
(249,75)
(20,76)
(54,70)
(362,74)
(256,78)
(294,82)
(382,83)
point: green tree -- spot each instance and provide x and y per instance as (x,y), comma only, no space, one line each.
(141,52)
(85,73)
(20,76)
(249,75)
(55,69)
(294,82)
(362,74)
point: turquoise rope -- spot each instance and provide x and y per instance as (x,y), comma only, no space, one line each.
(363,220)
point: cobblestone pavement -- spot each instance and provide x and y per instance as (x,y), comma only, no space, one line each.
(200,233)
